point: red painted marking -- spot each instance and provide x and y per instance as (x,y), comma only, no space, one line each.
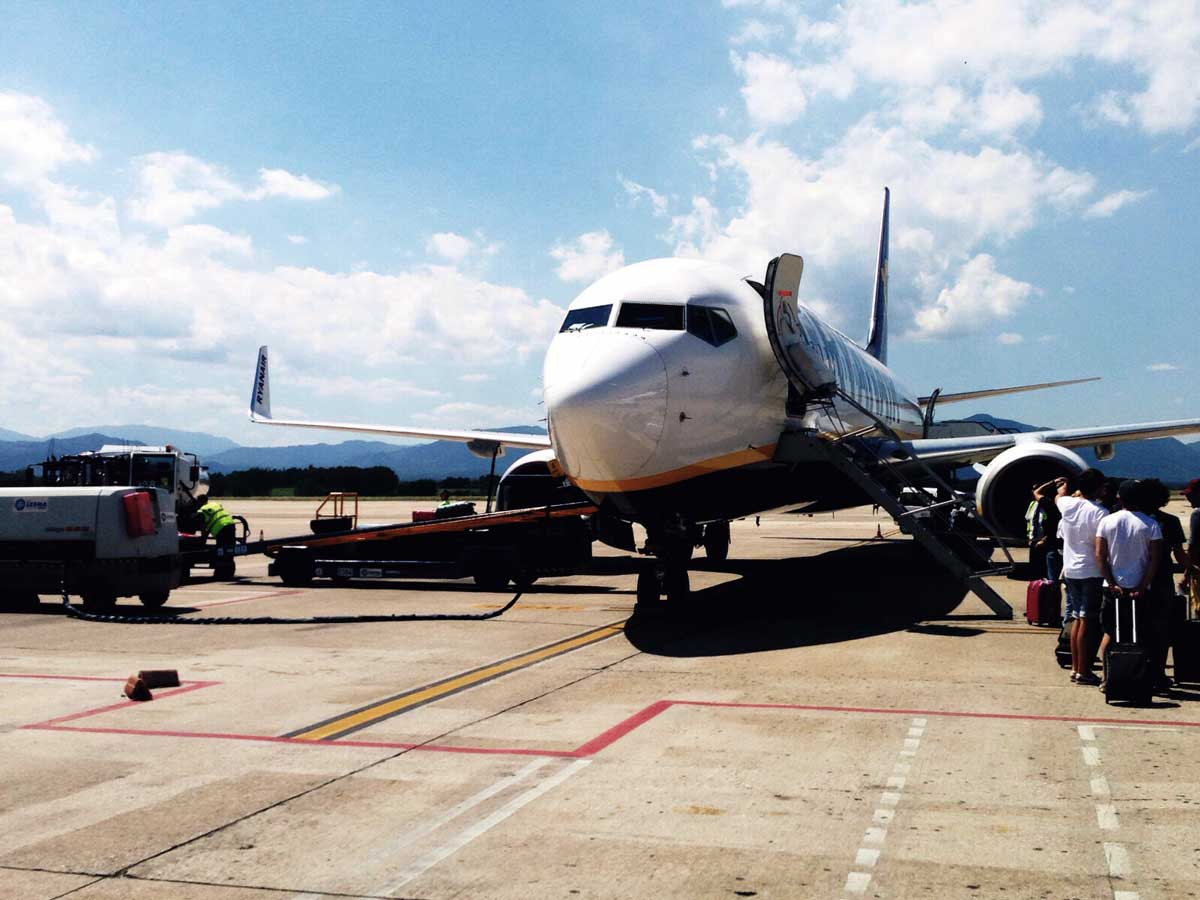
(186,687)
(590,748)
(618,731)
(945,713)
(59,677)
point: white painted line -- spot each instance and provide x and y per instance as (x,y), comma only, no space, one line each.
(1091,756)
(920,723)
(1106,816)
(866,858)
(1139,727)
(1117,858)
(911,743)
(874,835)
(901,768)
(1087,733)
(908,752)
(889,798)
(883,816)
(916,732)
(1125,895)
(460,840)
(1100,786)
(897,782)
(856,882)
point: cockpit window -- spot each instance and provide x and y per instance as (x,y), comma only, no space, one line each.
(711,324)
(665,316)
(588,317)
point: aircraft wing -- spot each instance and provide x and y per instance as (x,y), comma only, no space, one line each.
(961,451)
(997,392)
(260,412)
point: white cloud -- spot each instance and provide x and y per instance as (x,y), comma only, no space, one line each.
(1193,144)
(904,47)
(449,245)
(1109,204)
(1010,338)
(475,377)
(979,297)
(658,202)
(588,258)
(378,389)
(773,88)
(478,415)
(281,183)
(756,31)
(173,188)
(297,239)
(1163,367)
(33,142)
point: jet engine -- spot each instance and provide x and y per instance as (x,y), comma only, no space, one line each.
(1003,492)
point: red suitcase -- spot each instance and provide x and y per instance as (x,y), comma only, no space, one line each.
(1043,603)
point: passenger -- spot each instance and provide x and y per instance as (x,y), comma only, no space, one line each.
(1128,550)
(1081,571)
(1163,602)
(1041,528)
(1190,585)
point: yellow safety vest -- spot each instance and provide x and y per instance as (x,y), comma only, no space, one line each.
(215,518)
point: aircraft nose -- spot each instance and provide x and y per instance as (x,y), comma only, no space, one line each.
(606,403)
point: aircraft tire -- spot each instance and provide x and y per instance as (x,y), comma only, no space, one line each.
(99,601)
(716,541)
(488,580)
(649,589)
(678,586)
(154,599)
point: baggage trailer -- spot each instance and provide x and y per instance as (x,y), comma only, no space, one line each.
(97,542)
(494,549)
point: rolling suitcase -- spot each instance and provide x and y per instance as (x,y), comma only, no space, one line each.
(1062,650)
(1043,603)
(1128,673)
(1185,644)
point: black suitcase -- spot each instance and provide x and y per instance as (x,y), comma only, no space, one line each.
(1128,673)
(1185,644)
(1062,650)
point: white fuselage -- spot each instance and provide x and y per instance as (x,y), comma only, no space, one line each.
(647,390)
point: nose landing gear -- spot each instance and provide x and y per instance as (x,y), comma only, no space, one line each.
(668,574)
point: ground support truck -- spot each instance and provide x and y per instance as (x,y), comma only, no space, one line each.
(100,543)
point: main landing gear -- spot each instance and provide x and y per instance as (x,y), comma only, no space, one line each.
(672,551)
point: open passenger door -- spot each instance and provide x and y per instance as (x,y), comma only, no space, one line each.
(798,353)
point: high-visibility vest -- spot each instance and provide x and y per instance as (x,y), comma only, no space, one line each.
(215,518)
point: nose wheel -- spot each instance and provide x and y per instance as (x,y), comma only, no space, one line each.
(669,578)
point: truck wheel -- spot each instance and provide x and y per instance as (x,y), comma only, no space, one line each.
(19,600)
(225,570)
(154,599)
(99,601)
(525,580)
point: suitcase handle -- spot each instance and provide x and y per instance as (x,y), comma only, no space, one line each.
(1134,598)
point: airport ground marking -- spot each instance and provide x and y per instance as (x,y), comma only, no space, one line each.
(871,846)
(587,749)
(347,723)
(1116,854)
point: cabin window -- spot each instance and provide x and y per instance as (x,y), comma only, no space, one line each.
(587,317)
(711,324)
(663,316)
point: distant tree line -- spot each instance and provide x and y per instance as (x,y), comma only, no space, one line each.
(313,481)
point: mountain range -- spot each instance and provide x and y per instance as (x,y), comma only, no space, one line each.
(1172,460)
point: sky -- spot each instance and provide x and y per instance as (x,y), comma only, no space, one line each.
(402,201)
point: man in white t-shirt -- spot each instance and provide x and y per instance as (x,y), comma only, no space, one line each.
(1081,511)
(1129,551)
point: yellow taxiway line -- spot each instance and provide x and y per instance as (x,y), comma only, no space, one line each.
(344,724)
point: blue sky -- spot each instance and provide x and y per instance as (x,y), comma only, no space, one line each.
(401,201)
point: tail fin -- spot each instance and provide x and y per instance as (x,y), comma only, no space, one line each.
(260,392)
(877,342)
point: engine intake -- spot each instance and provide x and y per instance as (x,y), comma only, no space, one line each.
(1003,492)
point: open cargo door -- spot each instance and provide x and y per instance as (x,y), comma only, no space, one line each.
(798,353)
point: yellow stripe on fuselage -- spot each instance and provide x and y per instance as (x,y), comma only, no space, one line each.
(692,470)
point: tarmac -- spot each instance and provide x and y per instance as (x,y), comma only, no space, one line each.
(829,717)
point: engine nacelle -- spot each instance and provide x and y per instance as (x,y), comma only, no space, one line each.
(1003,492)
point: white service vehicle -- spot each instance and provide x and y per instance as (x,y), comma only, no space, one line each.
(97,542)
(175,471)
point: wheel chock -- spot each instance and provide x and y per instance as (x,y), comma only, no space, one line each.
(159,678)
(135,689)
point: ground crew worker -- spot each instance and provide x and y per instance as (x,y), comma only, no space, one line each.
(446,501)
(220,524)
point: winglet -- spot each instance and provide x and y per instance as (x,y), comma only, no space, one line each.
(260,392)
(877,342)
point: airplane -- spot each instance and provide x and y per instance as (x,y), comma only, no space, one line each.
(671,383)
